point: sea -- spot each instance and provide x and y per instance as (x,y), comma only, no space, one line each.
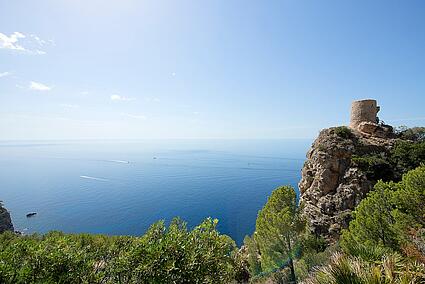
(120,187)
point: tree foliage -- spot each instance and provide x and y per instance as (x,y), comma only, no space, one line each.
(373,222)
(343,132)
(414,133)
(279,229)
(390,166)
(407,156)
(163,255)
(389,215)
(253,255)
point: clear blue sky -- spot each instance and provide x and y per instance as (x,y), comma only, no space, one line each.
(72,69)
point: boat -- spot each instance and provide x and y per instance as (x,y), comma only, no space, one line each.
(30,214)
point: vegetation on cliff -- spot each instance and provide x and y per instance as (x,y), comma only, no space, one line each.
(385,241)
(347,269)
(282,247)
(343,165)
(170,254)
(279,230)
(377,185)
(391,217)
(391,165)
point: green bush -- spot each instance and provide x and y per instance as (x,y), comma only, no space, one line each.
(375,166)
(403,157)
(406,155)
(390,269)
(343,132)
(253,255)
(162,255)
(278,231)
(385,219)
(386,239)
(414,133)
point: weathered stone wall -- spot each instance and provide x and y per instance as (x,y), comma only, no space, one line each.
(363,111)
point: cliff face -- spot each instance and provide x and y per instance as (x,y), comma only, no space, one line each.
(5,220)
(332,185)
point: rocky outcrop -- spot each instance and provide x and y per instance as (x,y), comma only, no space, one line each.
(375,129)
(332,185)
(5,220)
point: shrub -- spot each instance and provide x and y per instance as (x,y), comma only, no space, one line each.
(373,223)
(386,218)
(343,132)
(278,231)
(170,254)
(253,255)
(403,157)
(390,269)
(414,133)
(375,166)
(406,155)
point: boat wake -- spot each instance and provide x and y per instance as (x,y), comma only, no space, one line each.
(119,161)
(94,178)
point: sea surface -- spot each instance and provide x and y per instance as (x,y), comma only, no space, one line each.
(122,187)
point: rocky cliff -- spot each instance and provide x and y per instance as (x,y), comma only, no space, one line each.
(333,182)
(5,220)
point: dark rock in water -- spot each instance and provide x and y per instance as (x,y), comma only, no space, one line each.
(5,220)
(31,214)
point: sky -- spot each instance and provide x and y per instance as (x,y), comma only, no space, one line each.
(134,69)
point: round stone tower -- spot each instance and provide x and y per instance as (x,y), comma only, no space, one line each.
(363,111)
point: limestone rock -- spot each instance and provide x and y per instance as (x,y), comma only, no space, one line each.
(374,129)
(331,185)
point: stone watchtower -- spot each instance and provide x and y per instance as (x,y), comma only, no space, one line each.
(363,111)
(365,120)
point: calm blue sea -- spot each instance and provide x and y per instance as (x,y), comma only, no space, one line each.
(122,187)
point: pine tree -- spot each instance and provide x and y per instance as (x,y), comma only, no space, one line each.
(279,229)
